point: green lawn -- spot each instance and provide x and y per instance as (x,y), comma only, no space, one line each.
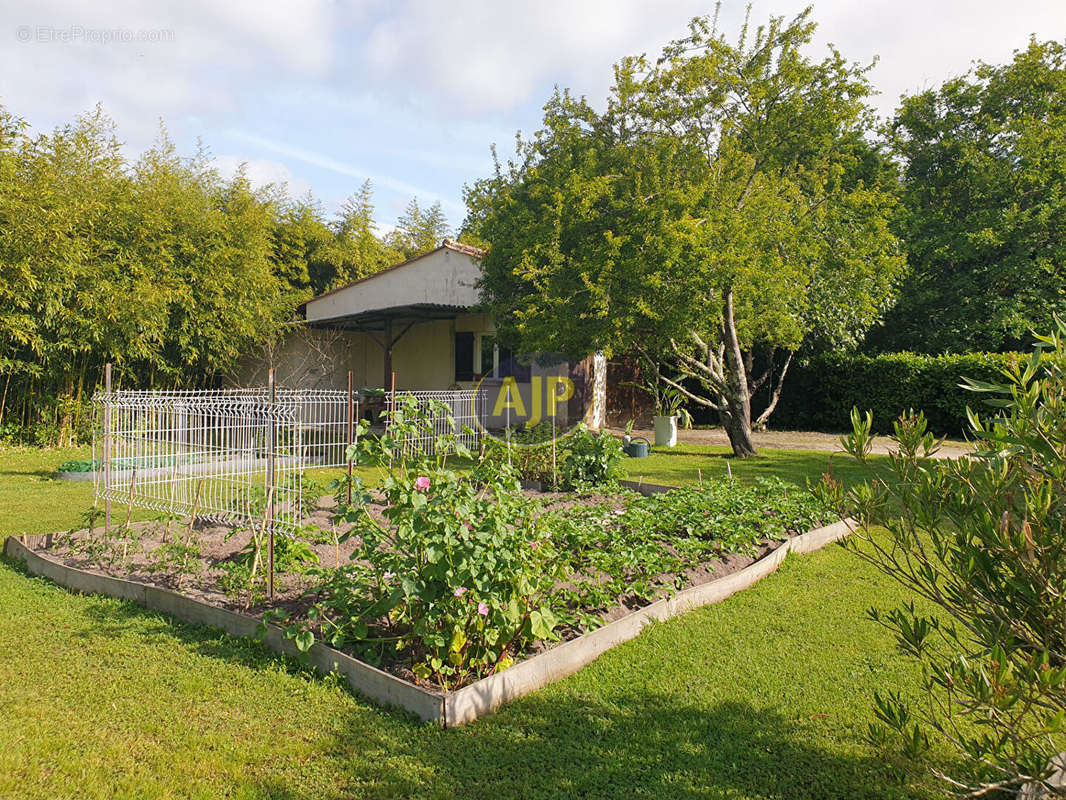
(764,696)
(686,463)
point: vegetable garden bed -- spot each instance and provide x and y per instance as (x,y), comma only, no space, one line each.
(617,559)
(450,593)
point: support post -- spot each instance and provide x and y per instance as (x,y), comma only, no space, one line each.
(107,447)
(388,351)
(351,431)
(269,512)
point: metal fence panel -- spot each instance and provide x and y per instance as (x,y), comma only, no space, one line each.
(209,453)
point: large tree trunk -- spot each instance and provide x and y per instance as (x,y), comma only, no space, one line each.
(736,417)
(738,429)
(722,370)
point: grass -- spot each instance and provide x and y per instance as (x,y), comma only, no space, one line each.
(764,696)
(685,463)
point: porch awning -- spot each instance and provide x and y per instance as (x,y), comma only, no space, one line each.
(382,319)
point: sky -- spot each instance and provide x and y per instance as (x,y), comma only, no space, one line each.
(411,94)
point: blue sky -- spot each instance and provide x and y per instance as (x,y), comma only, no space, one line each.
(411,93)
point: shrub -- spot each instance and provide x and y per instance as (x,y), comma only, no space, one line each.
(583,459)
(593,460)
(820,392)
(530,454)
(983,538)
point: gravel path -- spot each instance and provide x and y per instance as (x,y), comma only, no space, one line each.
(792,440)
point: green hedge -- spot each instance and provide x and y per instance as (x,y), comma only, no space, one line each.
(820,392)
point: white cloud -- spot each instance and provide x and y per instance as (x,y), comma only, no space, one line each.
(410,93)
(471,57)
(261,173)
(919,44)
(196,57)
(485,55)
(331,164)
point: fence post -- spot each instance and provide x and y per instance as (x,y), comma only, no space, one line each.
(388,419)
(351,423)
(269,511)
(107,447)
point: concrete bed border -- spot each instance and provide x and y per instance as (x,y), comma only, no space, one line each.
(446,709)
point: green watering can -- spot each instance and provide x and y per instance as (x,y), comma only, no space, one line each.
(638,447)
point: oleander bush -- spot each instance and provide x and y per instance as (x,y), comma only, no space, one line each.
(982,537)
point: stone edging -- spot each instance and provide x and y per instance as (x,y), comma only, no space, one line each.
(453,708)
(488,694)
(77,476)
(376,684)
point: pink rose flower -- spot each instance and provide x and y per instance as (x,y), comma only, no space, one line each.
(422,483)
(482,609)
(460,591)
(534,545)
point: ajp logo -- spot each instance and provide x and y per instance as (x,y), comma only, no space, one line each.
(540,394)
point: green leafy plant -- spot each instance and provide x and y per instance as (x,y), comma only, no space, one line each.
(982,538)
(582,460)
(670,402)
(592,460)
(636,548)
(454,574)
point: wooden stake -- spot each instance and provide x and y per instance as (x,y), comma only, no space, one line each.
(107,449)
(258,540)
(351,433)
(555,471)
(392,410)
(270,485)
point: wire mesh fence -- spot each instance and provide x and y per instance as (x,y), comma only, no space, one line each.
(238,456)
(464,418)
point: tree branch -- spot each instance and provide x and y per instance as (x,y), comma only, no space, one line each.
(776,393)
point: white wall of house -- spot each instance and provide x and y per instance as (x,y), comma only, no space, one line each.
(320,353)
(441,277)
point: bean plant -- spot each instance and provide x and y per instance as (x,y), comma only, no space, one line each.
(638,548)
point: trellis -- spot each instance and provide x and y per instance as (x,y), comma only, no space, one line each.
(238,456)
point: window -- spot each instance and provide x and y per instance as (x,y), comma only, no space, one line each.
(488,357)
(464,356)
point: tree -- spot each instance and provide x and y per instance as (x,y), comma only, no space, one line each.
(722,207)
(302,244)
(161,266)
(419,230)
(984,207)
(358,251)
(983,540)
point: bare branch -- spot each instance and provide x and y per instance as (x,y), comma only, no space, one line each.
(776,394)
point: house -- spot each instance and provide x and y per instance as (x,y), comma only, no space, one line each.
(422,321)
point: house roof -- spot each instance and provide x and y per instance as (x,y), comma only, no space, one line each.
(447,244)
(446,277)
